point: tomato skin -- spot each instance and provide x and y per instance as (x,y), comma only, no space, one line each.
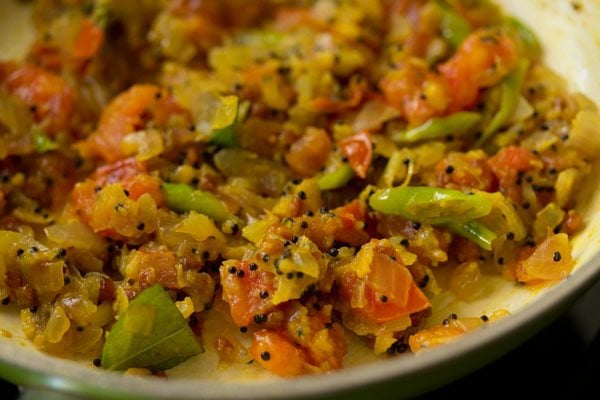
(379,312)
(277,354)
(244,294)
(359,150)
(49,93)
(484,58)
(125,114)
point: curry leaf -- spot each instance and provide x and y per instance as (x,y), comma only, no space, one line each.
(151,334)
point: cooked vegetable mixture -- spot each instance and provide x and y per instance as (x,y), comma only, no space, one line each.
(306,168)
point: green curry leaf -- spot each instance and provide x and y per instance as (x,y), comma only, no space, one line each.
(151,334)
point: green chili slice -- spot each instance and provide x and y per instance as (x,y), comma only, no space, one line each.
(475,231)
(182,198)
(430,205)
(457,124)
(337,178)
(511,90)
(455,28)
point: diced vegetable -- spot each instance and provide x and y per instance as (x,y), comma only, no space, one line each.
(266,176)
(530,43)
(584,133)
(474,231)
(455,28)
(482,60)
(503,219)
(511,92)
(183,198)
(43,143)
(359,150)
(277,354)
(550,261)
(457,124)
(224,123)
(547,219)
(465,281)
(566,186)
(243,294)
(430,205)
(309,153)
(337,178)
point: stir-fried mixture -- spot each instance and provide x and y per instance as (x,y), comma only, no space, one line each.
(305,169)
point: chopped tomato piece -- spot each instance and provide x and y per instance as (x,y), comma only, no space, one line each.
(127,113)
(359,150)
(416,91)
(309,153)
(482,60)
(48,95)
(464,171)
(352,99)
(352,217)
(380,312)
(277,354)
(321,340)
(88,41)
(389,293)
(151,266)
(248,296)
(132,175)
(74,50)
(507,165)
(512,158)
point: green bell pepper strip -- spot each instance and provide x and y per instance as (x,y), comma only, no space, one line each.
(475,231)
(151,334)
(511,90)
(225,122)
(430,205)
(182,198)
(336,178)
(455,28)
(532,49)
(459,123)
